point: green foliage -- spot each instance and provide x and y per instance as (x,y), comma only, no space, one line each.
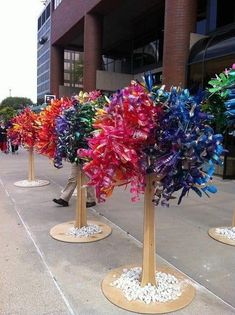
(215,106)
(6,113)
(222,83)
(218,94)
(16,102)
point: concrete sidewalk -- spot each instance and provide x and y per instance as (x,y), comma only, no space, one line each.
(41,276)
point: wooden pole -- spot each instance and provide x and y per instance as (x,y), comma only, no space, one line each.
(149,260)
(81,214)
(233,222)
(31,175)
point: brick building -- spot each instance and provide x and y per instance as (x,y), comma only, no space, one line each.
(180,41)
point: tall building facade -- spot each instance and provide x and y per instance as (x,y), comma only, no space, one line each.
(43,52)
(112,42)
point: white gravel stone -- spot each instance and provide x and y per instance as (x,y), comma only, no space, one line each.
(85,231)
(168,287)
(228,232)
(32,183)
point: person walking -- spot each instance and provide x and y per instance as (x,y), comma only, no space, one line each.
(3,137)
(70,187)
(14,148)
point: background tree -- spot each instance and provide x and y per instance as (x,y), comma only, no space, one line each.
(6,113)
(16,102)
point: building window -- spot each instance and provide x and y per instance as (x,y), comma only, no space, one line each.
(44,58)
(56,3)
(141,59)
(200,73)
(39,22)
(201,26)
(214,14)
(66,55)
(121,65)
(66,76)
(43,68)
(225,12)
(73,68)
(146,55)
(67,66)
(48,11)
(76,56)
(43,17)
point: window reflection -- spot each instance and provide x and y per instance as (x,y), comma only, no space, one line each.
(141,59)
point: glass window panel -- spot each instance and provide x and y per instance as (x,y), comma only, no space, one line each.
(48,11)
(67,66)
(76,56)
(67,76)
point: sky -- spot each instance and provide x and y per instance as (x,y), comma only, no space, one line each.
(18,47)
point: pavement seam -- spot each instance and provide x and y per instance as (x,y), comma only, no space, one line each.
(40,253)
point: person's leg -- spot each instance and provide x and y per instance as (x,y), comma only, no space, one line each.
(12,148)
(91,194)
(71,183)
(5,147)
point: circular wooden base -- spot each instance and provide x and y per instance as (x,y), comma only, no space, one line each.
(31,183)
(59,232)
(116,296)
(220,238)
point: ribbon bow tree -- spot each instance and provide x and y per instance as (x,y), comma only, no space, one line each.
(223,89)
(23,132)
(73,127)
(159,142)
